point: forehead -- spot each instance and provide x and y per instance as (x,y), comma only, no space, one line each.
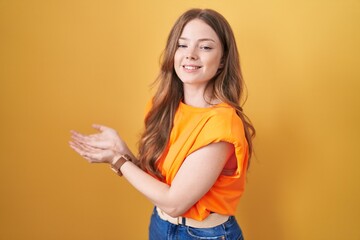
(198,29)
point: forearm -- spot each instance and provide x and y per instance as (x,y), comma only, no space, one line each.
(156,191)
(107,147)
(176,199)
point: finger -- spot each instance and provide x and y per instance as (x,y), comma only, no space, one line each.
(84,147)
(101,143)
(79,148)
(78,140)
(90,136)
(78,135)
(90,157)
(95,144)
(76,148)
(93,139)
(100,127)
(83,139)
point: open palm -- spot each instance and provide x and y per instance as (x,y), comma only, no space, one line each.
(100,147)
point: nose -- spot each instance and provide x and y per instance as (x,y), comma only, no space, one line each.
(191,53)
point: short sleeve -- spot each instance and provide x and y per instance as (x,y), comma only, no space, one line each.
(225,127)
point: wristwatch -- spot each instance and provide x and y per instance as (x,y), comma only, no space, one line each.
(118,162)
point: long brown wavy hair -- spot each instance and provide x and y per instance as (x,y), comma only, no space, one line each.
(227,86)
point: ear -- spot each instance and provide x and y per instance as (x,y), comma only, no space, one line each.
(221,65)
(220,68)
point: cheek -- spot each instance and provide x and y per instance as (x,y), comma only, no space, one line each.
(176,63)
(176,59)
(215,63)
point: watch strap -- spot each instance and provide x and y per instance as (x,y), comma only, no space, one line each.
(118,162)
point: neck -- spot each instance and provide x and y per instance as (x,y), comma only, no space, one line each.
(199,97)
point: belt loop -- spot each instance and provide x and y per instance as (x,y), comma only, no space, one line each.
(183,221)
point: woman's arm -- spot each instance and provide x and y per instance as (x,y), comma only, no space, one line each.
(195,177)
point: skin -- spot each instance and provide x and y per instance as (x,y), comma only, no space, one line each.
(208,162)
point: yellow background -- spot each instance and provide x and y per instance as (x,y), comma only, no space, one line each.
(67,64)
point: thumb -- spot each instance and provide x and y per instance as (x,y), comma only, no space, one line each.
(99,127)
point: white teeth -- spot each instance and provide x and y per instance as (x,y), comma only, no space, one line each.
(191,67)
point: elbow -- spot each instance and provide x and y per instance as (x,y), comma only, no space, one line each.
(174,205)
(174,211)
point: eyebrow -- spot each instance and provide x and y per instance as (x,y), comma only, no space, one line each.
(200,40)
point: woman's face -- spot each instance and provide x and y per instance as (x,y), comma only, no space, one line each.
(199,53)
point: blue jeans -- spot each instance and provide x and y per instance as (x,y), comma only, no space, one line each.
(163,230)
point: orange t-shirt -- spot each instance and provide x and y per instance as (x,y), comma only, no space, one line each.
(194,128)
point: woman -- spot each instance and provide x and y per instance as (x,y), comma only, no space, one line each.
(195,149)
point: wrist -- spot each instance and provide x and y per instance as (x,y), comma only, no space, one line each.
(118,161)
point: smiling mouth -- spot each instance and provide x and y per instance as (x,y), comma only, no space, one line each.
(188,67)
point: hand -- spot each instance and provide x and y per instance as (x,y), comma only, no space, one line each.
(100,147)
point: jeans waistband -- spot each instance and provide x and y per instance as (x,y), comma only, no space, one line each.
(214,219)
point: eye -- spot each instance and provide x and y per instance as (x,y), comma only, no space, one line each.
(206,48)
(182,45)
